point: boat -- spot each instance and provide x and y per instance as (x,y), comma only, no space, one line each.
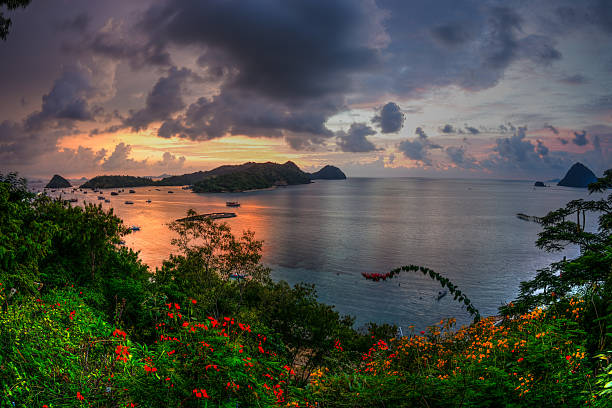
(186,187)
(232,204)
(157,189)
(148,201)
(84,192)
(100,197)
(129,202)
(441,294)
(170,192)
(132,191)
(114,193)
(72,200)
(134,228)
(106,200)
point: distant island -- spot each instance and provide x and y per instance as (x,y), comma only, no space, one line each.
(58,181)
(227,178)
(578,176)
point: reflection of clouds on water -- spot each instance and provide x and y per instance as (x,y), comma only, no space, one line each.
(329,232)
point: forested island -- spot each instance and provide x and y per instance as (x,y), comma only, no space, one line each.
(83,323)
(227,178)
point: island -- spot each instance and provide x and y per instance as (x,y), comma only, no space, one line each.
(578,176)
(227,178)
(58,181)
(328,173)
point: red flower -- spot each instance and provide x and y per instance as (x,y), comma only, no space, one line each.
(568,358)
(422,332)
(80,397)
(194,301)
(200,393)
(520,359)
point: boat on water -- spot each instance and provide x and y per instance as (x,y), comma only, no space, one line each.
(232,204)
(72,200)
(170,192)
(132,191)
(100,197)
(148,201)
(186,187)
(134,228)
(129,202)
(114,193)
(106,200)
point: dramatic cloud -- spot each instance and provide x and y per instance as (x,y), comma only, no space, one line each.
(580,138)
(417,149)
(355,140)
(472,130)
(390,119)
(458,156)
(66,102)
(163,101)
(448,129)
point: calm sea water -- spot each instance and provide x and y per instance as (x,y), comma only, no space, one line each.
(329,232)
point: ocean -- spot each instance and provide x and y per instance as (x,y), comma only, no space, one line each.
(330,231)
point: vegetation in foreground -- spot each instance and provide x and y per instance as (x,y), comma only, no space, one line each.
(84,323)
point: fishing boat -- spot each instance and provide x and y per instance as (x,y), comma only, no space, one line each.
(129,202)
(170,192)
(114,193)
(100,197)
(148,201)
(132,191)
(232,204)
(134,228)
(106,200)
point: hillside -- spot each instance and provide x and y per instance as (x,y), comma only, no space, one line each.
(226,178)
(58,181)
(328,173)
(117,181)
(578,176)
(251,176)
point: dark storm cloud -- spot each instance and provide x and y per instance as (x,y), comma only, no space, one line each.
(418,148)
(552,129)
(164,100)
(355,140)
(458,156)
(447,129)
(472,130)
(66,102)
(452,34)
(580,138)
(286,66)
(390,119)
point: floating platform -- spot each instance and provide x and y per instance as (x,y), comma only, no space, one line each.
(212,216)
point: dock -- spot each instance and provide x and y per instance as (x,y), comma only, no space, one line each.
(212,216)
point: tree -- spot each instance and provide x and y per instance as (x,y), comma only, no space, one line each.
(5,23)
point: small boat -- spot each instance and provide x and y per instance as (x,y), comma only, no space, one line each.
(232,204)
(441,294)
(134,228)
(114,193)
(132,191)
(84,192)
(72,200)
(129,202)
(157,189)
(106,200)
(170,192)
(186,187)
(100,197)
(148,201)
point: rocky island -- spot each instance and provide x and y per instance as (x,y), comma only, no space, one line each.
(58,181)
(227,178)
(578,176)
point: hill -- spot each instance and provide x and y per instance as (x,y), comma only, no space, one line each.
(117,181)
(328,173)
(230,178)
(251,176)
(578,176)
(58,181)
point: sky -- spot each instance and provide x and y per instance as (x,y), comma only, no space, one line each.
(510,89)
